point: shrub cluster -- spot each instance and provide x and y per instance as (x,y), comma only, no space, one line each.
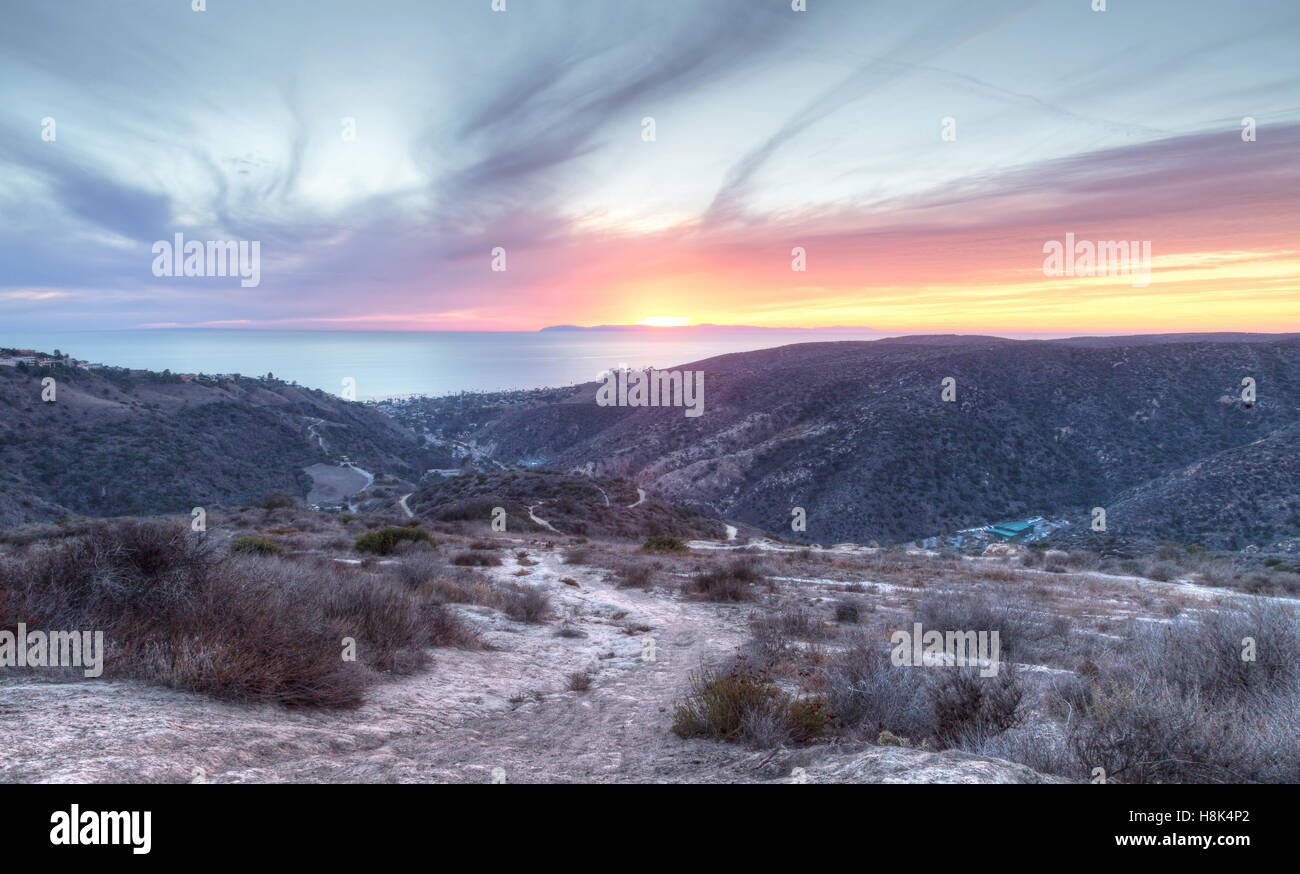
(176,611)
(732,582)
(1208,699)
(384,541)
(252,544)
(664,543)
(475,559)
(946,706)
(742,703)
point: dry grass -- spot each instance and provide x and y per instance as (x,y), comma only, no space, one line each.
(475,559)
(176,611)
(733,581)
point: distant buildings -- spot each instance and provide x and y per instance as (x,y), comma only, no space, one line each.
(33,358)
(1013,530)
(1022,531)
(14,357)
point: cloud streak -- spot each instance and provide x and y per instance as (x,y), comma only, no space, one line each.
(522,130)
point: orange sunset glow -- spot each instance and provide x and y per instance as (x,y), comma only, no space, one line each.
(818,176)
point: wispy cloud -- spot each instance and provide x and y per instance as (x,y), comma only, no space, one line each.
(522,130)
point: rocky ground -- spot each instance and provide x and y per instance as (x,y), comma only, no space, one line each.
(510,710)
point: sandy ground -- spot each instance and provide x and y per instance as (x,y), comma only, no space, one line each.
(507,712)
(473,712)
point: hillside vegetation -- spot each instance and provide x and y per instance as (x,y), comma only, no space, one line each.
(856,433)
(120,442)
(570,503)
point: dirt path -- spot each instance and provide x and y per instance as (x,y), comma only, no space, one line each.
(470,713)
(370,480)
(617,731)
(405,508)
(541,522)
(312,425)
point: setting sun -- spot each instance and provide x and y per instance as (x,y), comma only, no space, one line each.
(665,321)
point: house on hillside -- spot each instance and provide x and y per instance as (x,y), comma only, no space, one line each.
(1011,530)
(1022,531)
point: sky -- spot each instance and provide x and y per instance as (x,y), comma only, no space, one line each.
(915,159)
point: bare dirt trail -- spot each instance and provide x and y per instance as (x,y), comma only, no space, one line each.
(616,731)
(470,713)
(541,522)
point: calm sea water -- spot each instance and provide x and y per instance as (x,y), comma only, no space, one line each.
(400,364)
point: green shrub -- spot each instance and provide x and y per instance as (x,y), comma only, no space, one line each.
(251,544)
(664,543)
(726,706)
(717,702)
(383,541)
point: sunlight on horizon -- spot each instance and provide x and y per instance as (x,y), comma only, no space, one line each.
(665,321)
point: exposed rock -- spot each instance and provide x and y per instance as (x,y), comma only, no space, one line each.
(893,764)
(1004,550)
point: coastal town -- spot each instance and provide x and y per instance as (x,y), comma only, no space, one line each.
(33,358)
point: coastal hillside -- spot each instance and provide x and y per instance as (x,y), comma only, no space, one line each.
(857,433)
(1244,496)
(120,442)
(572,504)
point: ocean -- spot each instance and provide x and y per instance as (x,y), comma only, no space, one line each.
(402,364)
